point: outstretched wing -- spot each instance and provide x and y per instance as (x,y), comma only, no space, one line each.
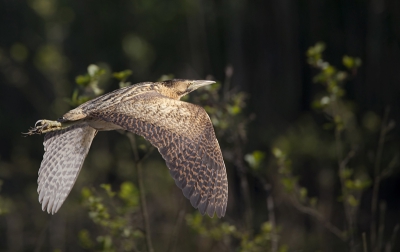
(65,151)
(184,135)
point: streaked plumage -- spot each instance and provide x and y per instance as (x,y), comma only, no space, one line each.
(181,131)
(65,151)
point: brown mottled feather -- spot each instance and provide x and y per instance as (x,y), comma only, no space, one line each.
(184,135)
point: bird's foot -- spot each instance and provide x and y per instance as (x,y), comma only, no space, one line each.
(44,126)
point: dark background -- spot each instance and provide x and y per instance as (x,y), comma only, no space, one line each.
(45,44)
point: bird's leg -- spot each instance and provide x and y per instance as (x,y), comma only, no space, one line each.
(44,126)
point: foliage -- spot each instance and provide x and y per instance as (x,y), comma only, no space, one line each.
(225,233)
(349,147)
(255,159)
(116,213)
(88,85)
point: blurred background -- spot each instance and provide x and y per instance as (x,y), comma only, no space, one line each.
(309,136)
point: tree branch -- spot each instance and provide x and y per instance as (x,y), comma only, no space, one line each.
(341,166)
(138,165)
(377,180)
(314,213)
(271,217)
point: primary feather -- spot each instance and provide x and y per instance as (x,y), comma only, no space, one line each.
(65,151)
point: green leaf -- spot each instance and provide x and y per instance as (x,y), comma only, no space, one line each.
(266,227)
(284,248)
(234,110)
(320,78)
(165,77)
(361,184)
(352,201)
(129,193)
(106,242)
(288,184)
(107,188)
(83,80)
(315,50)
(85,240)
(341,76)
(254,159)
(277,152)
(346,173)
(348,62)
(86,193)
(329,70)
(316,104)
(303,193)
(93,70)
(313,201)
(349,184)
(123,75)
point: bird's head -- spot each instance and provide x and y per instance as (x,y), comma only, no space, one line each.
(177,88)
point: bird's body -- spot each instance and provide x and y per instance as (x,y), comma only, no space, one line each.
(181,131)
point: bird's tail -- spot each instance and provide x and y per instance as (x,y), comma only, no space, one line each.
(65,152)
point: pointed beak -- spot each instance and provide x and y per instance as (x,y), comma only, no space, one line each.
(200,83)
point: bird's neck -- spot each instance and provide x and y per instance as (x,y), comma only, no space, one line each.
(168,92)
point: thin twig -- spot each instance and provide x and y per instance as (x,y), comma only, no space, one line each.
(349,156)
(271,217)
(138,164)
(174,236)
(381,229)
(314,213)
(245,190)
(364,239)
(144,207)
(342,165)
(228,77)
(42,236)
(377,180)
(390,244)
(392,164)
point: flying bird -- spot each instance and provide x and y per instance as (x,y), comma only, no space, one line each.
(182,132)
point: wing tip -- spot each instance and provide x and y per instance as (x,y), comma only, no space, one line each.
(49,206)
(211,209)
(220,210)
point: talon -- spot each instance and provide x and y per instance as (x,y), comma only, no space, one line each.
(44,126)
(39,121)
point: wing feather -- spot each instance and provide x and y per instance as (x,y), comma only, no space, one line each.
(65,151)
(184,135)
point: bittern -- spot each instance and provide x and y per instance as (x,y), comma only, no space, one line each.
(182,132)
